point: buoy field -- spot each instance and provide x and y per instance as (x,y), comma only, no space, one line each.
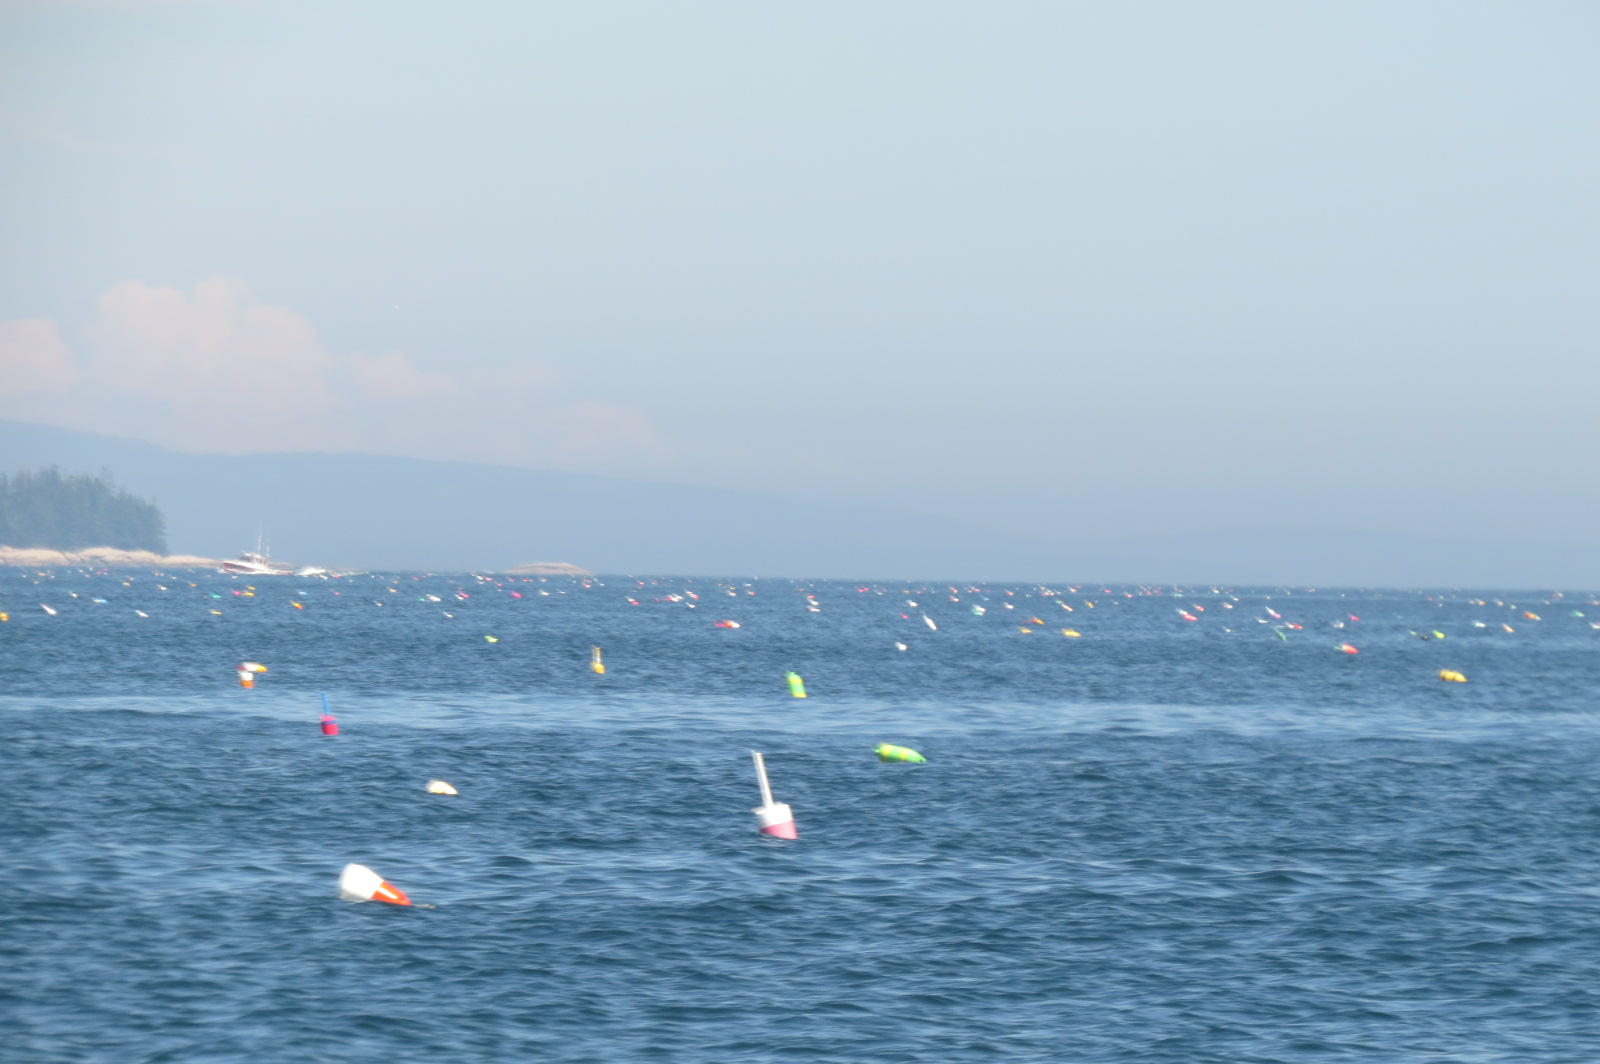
(465,817)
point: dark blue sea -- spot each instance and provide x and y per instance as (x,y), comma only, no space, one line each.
(1221,839)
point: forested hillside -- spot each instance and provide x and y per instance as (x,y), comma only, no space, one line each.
(46,508)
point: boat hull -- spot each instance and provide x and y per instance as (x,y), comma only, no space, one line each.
(248,564)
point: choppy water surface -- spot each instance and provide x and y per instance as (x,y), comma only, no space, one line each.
(1165,840)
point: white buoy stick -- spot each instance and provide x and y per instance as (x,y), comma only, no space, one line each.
(761,774)
(773,818)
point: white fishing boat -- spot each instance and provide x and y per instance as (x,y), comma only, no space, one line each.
(251,563)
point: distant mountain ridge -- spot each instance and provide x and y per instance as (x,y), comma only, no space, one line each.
(374,512)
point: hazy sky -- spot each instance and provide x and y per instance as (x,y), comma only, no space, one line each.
(1104,267)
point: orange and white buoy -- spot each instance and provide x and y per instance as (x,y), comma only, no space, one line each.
(247,673)
(360,883)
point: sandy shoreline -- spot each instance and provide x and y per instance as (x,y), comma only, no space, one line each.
(102,557)
(112,558)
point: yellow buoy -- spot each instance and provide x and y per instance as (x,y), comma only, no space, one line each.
(1452,676)
(440,787)
(1071,633)
(595,663)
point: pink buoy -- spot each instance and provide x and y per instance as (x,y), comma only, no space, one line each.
(329,725)
(773,818)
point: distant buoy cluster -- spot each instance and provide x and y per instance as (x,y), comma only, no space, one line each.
(247,671)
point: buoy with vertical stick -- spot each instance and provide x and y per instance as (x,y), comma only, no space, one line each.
(595,663)
(773,818)
(329,725)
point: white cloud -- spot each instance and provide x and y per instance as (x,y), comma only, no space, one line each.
(218,370)
(222,366)
(392,376)
(34,358)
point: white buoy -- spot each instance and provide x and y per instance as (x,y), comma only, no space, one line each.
(773,818)
(360,883)
(440,787)
(247,673)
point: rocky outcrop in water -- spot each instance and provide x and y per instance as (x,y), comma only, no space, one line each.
(549,569)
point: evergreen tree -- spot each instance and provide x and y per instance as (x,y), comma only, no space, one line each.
(46,508)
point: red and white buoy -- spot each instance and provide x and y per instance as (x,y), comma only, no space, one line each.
(360,883)
(773,818)
(247,673)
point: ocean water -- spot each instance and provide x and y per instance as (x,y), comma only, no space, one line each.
(1164,840)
